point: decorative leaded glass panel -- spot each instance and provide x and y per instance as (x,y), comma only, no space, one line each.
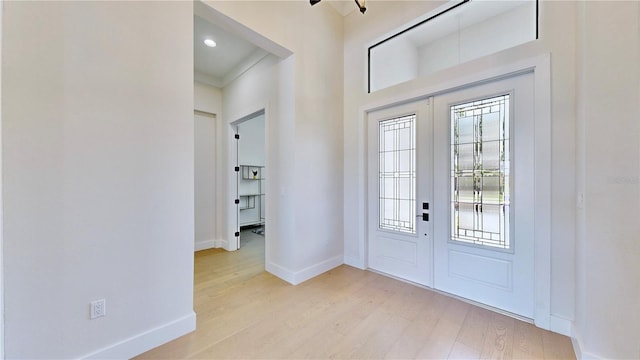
(397,174)
(480,171)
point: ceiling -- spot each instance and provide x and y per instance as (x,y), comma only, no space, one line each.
(344,7)
(233,55)
(219,65)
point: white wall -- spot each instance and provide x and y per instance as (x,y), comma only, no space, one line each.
(207,98)
(608,251)
(261,88)
(558,33)
(251,92)
(98,188)
(304,136)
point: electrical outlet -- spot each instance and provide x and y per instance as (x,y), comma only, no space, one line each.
(98,308)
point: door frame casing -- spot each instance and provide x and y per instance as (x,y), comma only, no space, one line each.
(541,68)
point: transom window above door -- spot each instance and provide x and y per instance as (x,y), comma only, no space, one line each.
(452,34)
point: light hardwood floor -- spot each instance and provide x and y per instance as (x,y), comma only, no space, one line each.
(246,313)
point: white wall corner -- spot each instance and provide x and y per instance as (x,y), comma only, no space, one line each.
(356,262)
(210,244)
(578,346)
(297,277)
(146,340)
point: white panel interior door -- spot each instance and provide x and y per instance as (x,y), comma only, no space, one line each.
(399,155)
(205,170)
(484,194)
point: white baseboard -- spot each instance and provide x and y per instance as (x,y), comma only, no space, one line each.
(356,262)
(578,347)
(138,344)
(281,272)
(209,244)
(317,269)
(561,325)
(297,277)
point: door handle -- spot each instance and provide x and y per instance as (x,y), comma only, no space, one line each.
(424,216)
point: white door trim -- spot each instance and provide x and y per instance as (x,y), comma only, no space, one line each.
(541,67)
(1,202)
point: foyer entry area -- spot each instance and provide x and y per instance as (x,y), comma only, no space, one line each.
(244,312)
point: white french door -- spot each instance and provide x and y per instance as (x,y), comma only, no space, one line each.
(484,206)
(474,177)
(400,154)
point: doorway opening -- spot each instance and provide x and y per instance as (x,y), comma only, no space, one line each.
(251,177)
(253,79)
(205,180)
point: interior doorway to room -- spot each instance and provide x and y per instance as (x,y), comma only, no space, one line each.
(450,200)
(205,179)
(251,177)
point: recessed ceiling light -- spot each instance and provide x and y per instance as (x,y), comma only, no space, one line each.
(209,43)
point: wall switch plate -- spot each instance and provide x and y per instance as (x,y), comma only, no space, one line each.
(98,308)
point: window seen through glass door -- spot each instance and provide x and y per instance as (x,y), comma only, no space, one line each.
(480,172)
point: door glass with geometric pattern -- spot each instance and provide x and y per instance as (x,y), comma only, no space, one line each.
(399,241)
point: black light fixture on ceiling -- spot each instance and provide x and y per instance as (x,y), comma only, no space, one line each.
(361,4)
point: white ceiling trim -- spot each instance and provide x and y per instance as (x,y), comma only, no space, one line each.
(234,73)
(244,66)
(207,79)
